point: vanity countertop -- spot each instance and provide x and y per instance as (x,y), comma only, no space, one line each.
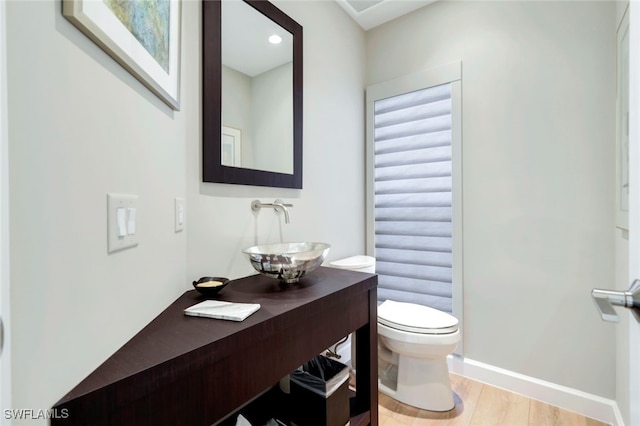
(191,370)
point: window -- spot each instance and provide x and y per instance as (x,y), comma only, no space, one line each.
(414,188)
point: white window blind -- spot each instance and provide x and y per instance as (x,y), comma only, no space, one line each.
(413,197)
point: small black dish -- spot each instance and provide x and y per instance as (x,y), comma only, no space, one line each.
(210,286)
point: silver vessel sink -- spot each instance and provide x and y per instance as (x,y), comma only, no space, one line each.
(287,262)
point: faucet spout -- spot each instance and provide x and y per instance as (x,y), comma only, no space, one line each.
(278,205)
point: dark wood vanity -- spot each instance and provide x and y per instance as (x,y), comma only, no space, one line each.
(182,370)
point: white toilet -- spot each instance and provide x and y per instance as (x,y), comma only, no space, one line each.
(413,344)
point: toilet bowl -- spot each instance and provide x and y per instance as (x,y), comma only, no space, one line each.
(413,344)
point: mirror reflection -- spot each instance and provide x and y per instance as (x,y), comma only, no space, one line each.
(257,91)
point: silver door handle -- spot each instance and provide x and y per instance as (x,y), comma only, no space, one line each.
(606,299)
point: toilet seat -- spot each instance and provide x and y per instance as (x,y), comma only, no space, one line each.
(416,318)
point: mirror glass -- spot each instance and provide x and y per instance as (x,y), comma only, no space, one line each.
(252,94)
(257,90)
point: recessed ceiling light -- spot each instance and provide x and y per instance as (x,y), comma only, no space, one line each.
(275,39)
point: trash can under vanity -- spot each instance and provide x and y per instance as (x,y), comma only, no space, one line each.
(320,393)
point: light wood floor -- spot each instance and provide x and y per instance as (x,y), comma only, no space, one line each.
(480,404)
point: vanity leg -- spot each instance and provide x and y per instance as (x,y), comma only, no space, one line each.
(367,362)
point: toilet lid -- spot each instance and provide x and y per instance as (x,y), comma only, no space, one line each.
(416,318)
(354,262)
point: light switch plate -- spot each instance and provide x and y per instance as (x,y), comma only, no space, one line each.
(180,214)
(126,202)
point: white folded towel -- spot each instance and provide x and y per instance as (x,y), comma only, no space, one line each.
(222,310)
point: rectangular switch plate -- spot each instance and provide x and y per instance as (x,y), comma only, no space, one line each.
(180,214)
(128,221)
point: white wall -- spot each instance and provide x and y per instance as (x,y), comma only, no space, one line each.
(538,175)
(81,127)
(273,119)
(330,207)
(5,296)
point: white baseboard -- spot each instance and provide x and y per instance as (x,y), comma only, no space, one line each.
(593,406)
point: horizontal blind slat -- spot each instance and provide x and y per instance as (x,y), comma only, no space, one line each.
(415,257)
(431,94)
(429,125)
(413,142)
(423,185)
(425,157)
(412,228)
(414,171)
(436,244)
(414,113)
(429,199)
(426,214)
(420,286)
(431,273)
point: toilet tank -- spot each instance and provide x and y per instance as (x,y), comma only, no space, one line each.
(359,263)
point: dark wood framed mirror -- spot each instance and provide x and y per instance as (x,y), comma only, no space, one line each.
(268,153)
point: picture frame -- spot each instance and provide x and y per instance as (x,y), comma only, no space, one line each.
(144,37)
(622,125)
(231,148)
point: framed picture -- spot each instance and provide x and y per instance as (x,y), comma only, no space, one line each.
(143,36)
(622,126)
(231,147)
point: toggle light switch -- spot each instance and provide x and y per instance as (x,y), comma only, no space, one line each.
(131,221)
(121,219)
(122,212)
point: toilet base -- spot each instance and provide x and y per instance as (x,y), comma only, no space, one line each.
(422,383)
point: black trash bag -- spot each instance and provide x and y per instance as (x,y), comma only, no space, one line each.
(321,375)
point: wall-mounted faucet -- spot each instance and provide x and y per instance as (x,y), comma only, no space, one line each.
(278,205)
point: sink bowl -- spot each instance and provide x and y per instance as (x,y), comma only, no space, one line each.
(287,262)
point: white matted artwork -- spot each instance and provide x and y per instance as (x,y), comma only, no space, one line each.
(143,36)
(622,126)
(231,147)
